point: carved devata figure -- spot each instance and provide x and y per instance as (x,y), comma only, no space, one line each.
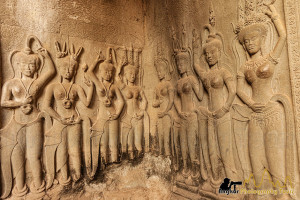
(215,80)
(268,131)
(168,123)
(187,88)
(105,130)
(22,137)
(63,140)
(135,117)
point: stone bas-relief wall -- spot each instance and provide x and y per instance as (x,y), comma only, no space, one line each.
(149,100)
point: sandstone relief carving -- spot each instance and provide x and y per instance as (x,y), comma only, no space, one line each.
(213,123)
(241,142)
(63,140)
(105,131)
(22,137)
(187,89)
(269,131)
(217,113)
(135,120)
(168,123)
(216,103)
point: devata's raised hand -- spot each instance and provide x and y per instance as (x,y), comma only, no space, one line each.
(272,12)
(43,52)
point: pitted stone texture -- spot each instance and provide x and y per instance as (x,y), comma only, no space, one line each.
(147,180)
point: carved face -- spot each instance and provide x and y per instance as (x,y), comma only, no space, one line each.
(130,75)
(253,41)
(106,71)
(161,71)
(27,64)
(182,64)
(68,69)
(212,55)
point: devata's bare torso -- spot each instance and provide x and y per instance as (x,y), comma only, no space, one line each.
(132,97)
(214,83)
(185,90)
(259,74)
(21,90)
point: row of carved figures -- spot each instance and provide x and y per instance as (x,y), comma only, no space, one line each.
(205,139)
(226,140)
(51,138)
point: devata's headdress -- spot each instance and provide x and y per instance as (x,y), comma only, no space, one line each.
(32,48)
(213,37)
(61,53)
(251,16)
(73,55)
(162,61)
(181,49)
(129,56)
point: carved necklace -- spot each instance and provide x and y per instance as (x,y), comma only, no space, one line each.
(254,64)
(26,109)
(67,103)
(107,101)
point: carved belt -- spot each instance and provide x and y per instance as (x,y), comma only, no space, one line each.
(268,118)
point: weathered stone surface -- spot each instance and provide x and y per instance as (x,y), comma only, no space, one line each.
(174,99)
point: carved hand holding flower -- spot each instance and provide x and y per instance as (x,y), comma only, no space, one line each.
(161,114)
(139,115)
(257,107)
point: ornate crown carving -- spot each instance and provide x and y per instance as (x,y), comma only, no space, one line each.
(251,13)
(61,53)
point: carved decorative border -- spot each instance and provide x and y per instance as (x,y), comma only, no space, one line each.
(291,17)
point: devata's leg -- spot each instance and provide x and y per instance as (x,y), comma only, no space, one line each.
(74,150)
(166,134)
(95,141)
(62,158)
(130,144)
(34,146)
(177,146)
(18,168)
(192,131)
(104,144)
(184,145)
(203,139)
(160,130)
(113,140)
(275,145)
(225,139)
(125,132)
(257,153)
(138,136)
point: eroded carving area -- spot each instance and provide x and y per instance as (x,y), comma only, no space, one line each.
(167,109)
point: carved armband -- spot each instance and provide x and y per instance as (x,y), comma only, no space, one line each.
(230,78)
(240,75)
(275,61)
(225,108)
(275,17)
